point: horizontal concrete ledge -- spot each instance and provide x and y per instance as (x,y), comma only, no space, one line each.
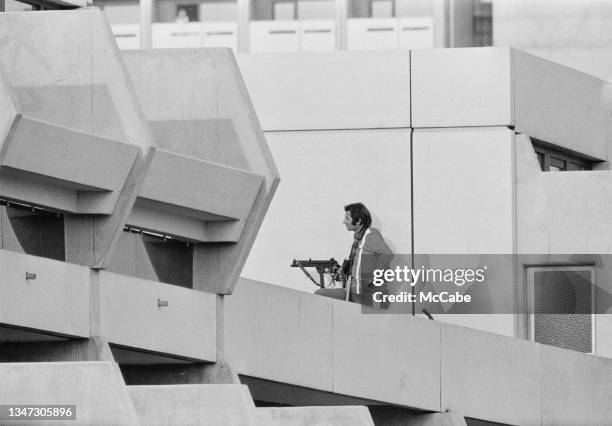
(205,187)
(40,147)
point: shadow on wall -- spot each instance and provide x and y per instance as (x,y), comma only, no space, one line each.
(38,233)
(153,258)
(202,139)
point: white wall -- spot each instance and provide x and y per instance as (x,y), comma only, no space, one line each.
(321,171)
(571,32)
(337,90)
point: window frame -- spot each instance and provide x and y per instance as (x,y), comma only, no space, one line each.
(531,270)
(548,156)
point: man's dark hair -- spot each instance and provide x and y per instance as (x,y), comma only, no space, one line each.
(360,213)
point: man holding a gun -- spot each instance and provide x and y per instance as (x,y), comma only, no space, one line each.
(368,252)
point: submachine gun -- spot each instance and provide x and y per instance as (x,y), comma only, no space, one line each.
(330,267)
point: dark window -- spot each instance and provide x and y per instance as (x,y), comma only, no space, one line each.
(32,230)
(482,29)
(555,159)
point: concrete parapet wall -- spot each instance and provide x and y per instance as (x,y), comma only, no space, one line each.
(133,314)
(490,377)
(270,330)
(314,416)
(576,388)
(57,300)
(183,405)
(410,362)
(96,388)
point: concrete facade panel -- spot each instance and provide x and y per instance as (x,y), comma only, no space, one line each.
(8,106)
(182,405)
(392,358)
(568,32)
(279,334)
(117,112)
(314,416)
(96,388)
(478,367)
(576,388)
(57,300)
(178,113)
(461,87)
(322,172)
(463,191)
(559,105)
(48,68)
(131,315)
(463,183)
(294,92)
(244,145)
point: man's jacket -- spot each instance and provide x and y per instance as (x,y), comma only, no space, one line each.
(372,253)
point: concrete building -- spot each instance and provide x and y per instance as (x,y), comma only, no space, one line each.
(296,25)
(137,188)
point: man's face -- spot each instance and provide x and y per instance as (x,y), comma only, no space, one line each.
(348,222)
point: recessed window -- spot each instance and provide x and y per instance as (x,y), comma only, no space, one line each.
(554,159)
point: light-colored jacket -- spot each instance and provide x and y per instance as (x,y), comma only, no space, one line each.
(373,253)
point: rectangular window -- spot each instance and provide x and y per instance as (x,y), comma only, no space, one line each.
(561,306)
(556,159)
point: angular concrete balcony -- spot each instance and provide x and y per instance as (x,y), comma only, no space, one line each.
(71,131)
(73,138)
(212,177)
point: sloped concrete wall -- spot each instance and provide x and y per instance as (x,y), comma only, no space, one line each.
(96,388)
(314,416)
(183,405)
